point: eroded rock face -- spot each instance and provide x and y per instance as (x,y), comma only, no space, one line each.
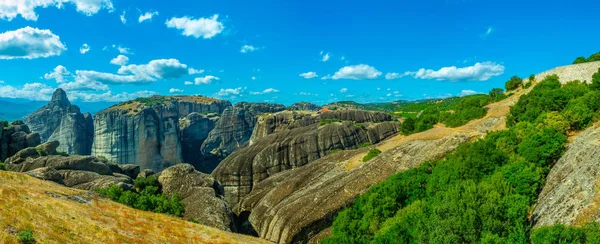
(570,195)
(194,129)
(304,106)
(295,206)
(290,149)
(16,137)
(234,129)
(271,123)
(201,196)
(359,116)
(82,172)
(146,132)
(61,121)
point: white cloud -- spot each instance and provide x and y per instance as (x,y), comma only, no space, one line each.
(59,74)
(249,48)
(468,92)
(193,71)
(30,43)
(230,92)
(478,72)
(83,84)
(122,50)
(205,80)
(253,77)
(160,68)
(90,76)
(325,57)
(84,48)
(147,16)
(120,60)
(1,82)
(343,90)
(175,90)
(122,17)
(31,91)
(108,96)
(266,91)
(488,32)
(393,76)
(10,9)
(202,27)
(188,83)
(357,72)
(309,75)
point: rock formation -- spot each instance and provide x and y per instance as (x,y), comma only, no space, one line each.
(194,129)
(271,123)
(201,196)
(234,129)
(359,116)
(146,131)
(82,172)
(299,106)
(570,195)
(291,149)
(61,121)
(16,137)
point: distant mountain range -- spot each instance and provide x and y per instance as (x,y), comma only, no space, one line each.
(17,109)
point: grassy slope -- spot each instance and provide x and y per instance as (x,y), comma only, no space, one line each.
(26,202)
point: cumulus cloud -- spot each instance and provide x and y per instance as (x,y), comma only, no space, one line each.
(122,17)
(266,91)
(357,72)
(160,68)
(60,74)
(120,60)
(175,90)
(324,56)
(84,48)
(343,90)
(188,83)
(108,96)
(393,76)
(90,76)
(193,71)
(478,72)
(31,91)
(202,27)
(233,92)
(26,8)
(30,43)
(205,80)
(147,16)
(309,75)
(121,49)
(468,93)
(249,48)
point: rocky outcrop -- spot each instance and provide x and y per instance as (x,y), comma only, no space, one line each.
(271,123)
(570,195)
(296,205)
(201,196)
(359,116)
(61,121)
(16,137)
(234,129)
(304,106)
(82,172)
(194,129)
(291,149)
(146,131)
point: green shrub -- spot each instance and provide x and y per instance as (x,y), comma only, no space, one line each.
(332,151)
(25,236)
(64,154)
(371,154)
(4,123)
(195,220)
(366,144)
(329,121)
(589,233)
(513,83)
(41,151)
(591,58)
(596,81)
(2,166)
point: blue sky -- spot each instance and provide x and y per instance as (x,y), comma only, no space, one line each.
(284,51)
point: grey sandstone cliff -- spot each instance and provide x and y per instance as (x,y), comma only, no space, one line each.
(299,106)
(194,129)
(290,149)
(234,129)
(570,195)
(16,137)
(146,132)
(61,121)
(201,196)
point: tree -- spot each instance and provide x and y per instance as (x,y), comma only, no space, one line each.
(408,126)
(580,60)
(596,80)
(496,93)
(531,77)
(513,83)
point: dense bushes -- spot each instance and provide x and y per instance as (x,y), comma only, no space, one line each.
(3,123)
(371,154)
(147,196)
(484,191)
(591,58)
(513,83)
(25,236)
(2,166)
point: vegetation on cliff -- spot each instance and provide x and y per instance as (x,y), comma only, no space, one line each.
(485,190)
(591,58)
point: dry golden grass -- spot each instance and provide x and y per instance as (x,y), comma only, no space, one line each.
(25,203)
